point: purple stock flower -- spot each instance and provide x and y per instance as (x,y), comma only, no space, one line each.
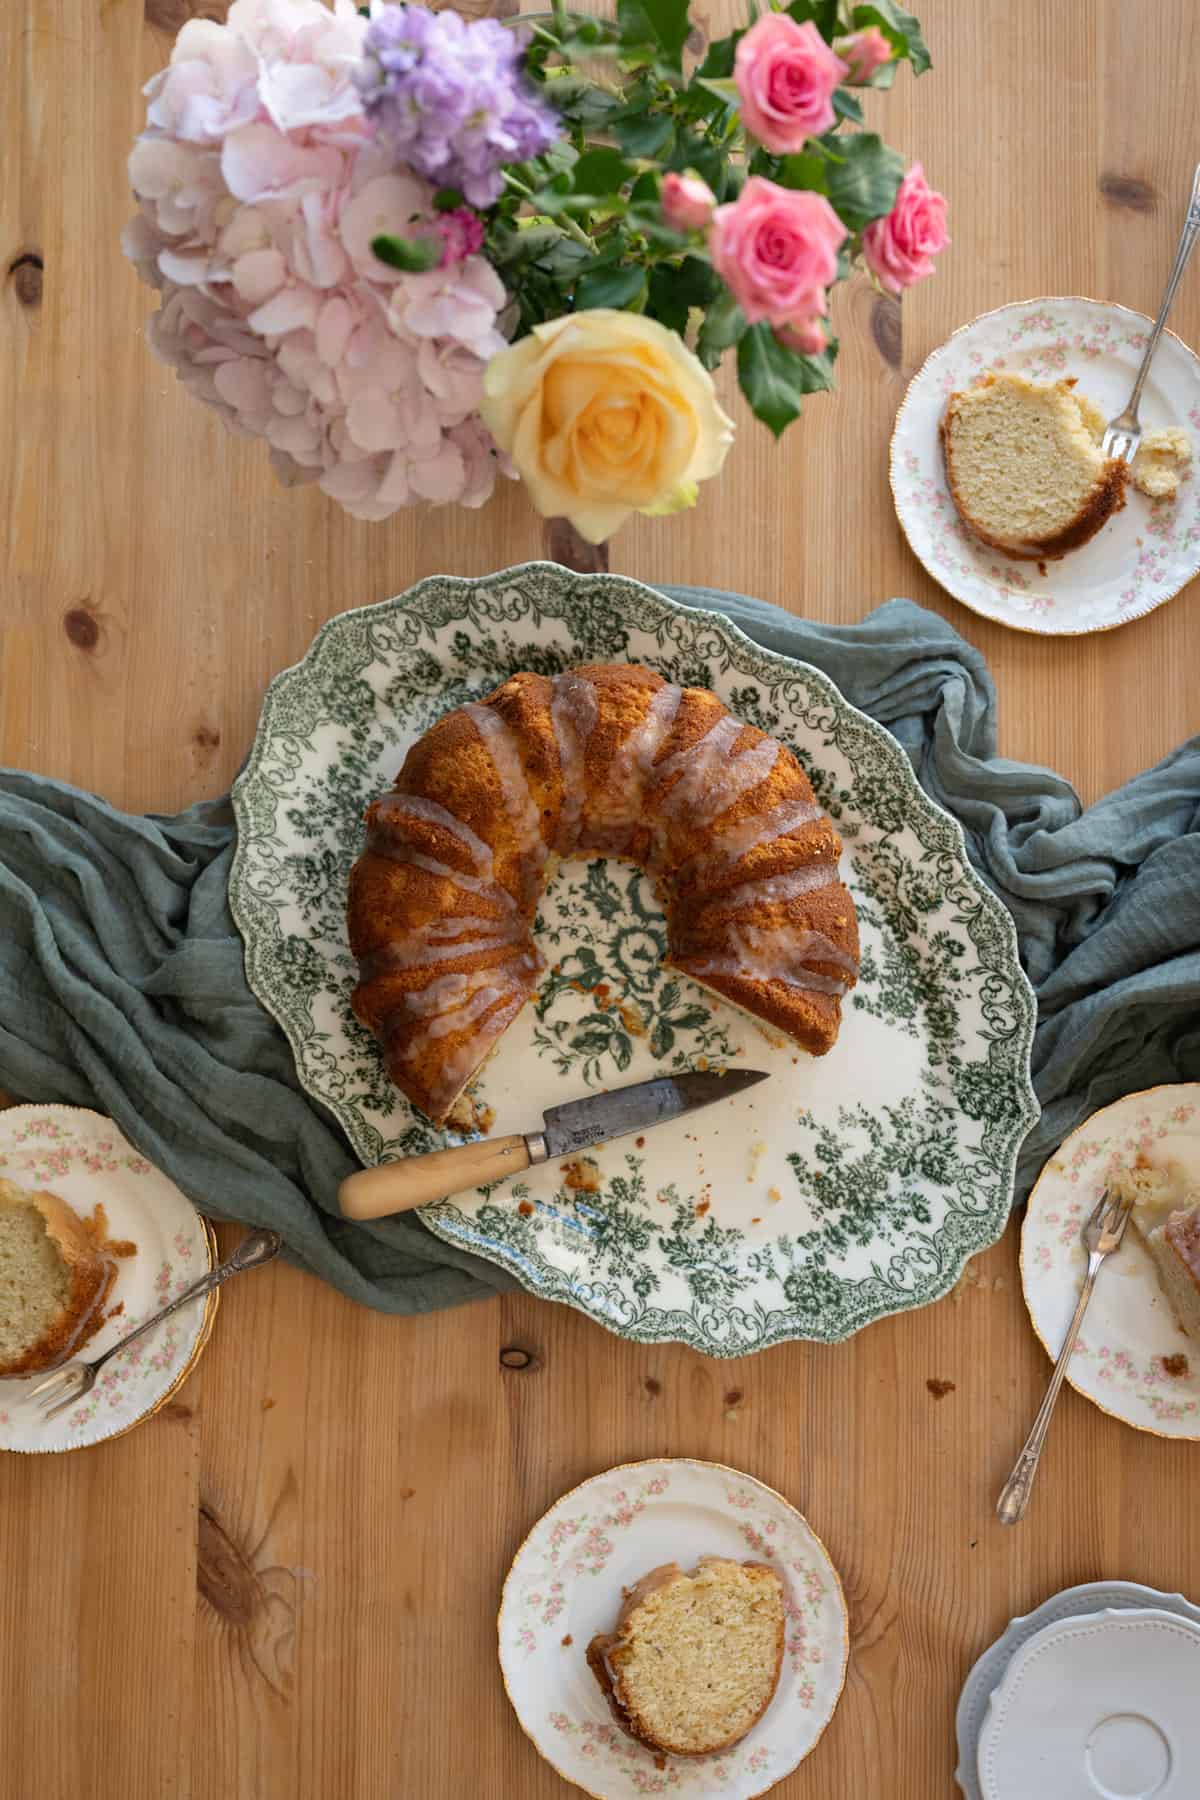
(451,98)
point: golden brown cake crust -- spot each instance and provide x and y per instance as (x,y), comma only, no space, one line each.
(604,1651)
(92,1274)
(610,759)
(1105,499)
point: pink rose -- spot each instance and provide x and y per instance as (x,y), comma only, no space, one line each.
(785,76)
(687,202)
(807,336)
(864,52)
(777,250)
(900,248)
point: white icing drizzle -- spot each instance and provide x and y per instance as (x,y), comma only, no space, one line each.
(746,835)
(428,945)
(484,887)
(713,780)
(777,953)
(573,713)
(620,805)
(390,812)
(523,815)
(789,886)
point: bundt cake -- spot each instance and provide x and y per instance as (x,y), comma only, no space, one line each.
(54,1281)
(694,1661)
(606,760)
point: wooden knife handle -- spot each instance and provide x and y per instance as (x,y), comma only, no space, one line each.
(416,1180)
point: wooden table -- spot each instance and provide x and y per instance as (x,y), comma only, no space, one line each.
(286,1583)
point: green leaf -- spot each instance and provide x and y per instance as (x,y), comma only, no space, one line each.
(771,378)
(901,30)
(723,325)
(601,170)
(862,184)
(645,189)
(719,61)
(823,13)
(804,171)
(645,134)
(723,87)
(448,199)
(579,101)
(675,291)
(816,372)
(413,255)
(618,287)
(846,106)
(662,23)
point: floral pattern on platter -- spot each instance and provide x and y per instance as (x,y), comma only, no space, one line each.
(1144,554)
(651,1513)
(890,1160)
(85,1160)
(1132,1359)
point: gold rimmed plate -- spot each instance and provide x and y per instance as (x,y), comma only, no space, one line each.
(1142,557)
(84,1159)
(566,1583)
(1132,1359)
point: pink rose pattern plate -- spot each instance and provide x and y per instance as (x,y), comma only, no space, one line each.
(85,1160)
(565,1585)
(1143,556)
(1132,1359)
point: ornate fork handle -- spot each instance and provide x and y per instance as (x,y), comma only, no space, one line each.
(1187,243)
(256,1248)
(1010,1508)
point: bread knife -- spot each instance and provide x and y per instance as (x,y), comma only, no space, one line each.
(411,1181)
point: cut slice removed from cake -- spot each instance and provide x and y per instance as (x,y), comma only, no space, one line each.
(54,1281)
(1023,466)
(694,1660)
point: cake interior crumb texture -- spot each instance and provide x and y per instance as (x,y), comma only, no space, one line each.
(1025,471)
(1166,1212)
(696,1658)
(35,1281)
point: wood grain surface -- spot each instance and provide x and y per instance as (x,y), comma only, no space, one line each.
(285,1584)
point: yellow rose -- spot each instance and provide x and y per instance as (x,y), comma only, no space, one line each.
(605,413)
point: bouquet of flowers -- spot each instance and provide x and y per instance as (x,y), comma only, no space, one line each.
(412,250)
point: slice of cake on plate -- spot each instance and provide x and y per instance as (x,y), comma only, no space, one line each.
(1166,1212)
(694,1660)
(54,1281)
(1023,466)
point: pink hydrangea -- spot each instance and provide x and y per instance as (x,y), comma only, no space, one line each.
(260,190)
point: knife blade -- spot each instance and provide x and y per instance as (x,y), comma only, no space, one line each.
(577,1125)
(582,1124)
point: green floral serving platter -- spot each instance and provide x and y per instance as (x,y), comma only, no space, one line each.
(847,1187)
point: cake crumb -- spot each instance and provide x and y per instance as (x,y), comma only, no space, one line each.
(939,1389)
(652,1385)
(639,1143)
(774,1196)
(1176,1365)
(702,1207)
(406,1493)
(632,1018)
(526,1209)
(581,1175)
(267,1404)
(567,1641)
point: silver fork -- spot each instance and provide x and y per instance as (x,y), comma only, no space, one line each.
(1102,1234)
(65,1386)
(1124,433)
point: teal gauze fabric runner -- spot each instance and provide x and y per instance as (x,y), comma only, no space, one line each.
(122,984)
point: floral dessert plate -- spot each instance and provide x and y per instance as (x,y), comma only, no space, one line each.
(84,1159)
(1144,555)
(1132,1358)
(565,1585)
(843,1189)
